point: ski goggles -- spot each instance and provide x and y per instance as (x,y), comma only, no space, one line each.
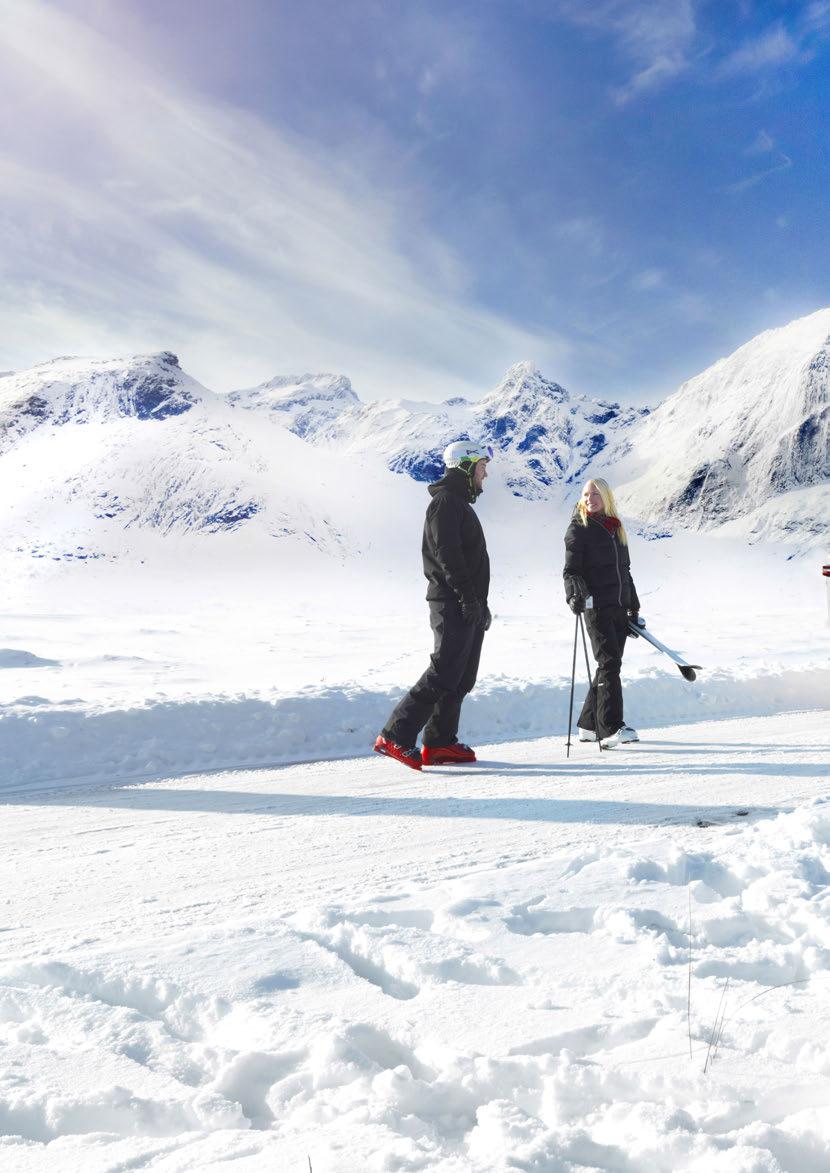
(474,455)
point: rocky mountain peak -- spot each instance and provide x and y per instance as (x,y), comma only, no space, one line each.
(302,403)
(322,387)
(524,383)
(145,387)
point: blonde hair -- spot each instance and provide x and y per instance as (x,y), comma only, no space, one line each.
(609,505)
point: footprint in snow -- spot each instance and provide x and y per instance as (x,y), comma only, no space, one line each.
(399,958)
(527,921)
(588,1040)
(273,982)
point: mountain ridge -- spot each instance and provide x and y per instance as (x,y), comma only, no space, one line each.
(745,444)
(760,420)
(543,434)
(752,428)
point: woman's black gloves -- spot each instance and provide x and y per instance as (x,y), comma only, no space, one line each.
(634,618)
(576,592)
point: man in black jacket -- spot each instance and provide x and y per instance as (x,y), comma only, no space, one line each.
(458,571)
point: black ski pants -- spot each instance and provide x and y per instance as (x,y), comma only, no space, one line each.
(603,709)
(434,703)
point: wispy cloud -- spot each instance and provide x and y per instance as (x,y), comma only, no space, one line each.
(661,70)
(816,17)
(653,36)
(784,164)
(793,42)
(774,47)
(138,215)
(660,40)
(763,144)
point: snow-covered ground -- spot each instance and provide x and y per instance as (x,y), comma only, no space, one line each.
(616,962)
(198,653)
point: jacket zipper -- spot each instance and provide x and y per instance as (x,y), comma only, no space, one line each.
(613,541)
(617,558)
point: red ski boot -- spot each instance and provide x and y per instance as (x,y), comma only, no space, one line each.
(456,754)
(390,749)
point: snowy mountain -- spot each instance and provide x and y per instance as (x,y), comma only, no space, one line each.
(91,450)
(96,453)
(71,390)
(300,402)
(744,445)
(544,436)
(741,442)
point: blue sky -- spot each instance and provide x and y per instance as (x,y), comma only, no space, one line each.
(416,194)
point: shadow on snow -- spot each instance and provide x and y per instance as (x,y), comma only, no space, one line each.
(534,810)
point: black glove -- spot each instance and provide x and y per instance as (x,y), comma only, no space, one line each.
(576,590)
(471,611)
(634,617)
(486,617)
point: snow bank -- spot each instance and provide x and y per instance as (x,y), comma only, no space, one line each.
(43,744)
(19,658)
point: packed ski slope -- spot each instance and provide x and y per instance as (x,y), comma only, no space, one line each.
(617,962)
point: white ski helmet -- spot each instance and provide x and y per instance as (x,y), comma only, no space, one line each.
(462,452)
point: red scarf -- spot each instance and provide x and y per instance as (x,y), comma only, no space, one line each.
(612,524)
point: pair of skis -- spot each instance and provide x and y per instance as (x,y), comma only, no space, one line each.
(687,671)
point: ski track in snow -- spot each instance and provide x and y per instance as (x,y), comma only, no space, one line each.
(459,970)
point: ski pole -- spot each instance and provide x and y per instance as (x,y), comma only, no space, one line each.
(587,664)
(573,678)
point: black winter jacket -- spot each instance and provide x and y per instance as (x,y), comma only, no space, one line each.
(602,560)
(455,553)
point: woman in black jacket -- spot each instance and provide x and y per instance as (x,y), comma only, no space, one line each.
(598,573)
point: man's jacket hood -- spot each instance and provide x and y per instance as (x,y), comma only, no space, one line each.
(455,481)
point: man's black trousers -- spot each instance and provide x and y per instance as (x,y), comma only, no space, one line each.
(434,703)
(603,709)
